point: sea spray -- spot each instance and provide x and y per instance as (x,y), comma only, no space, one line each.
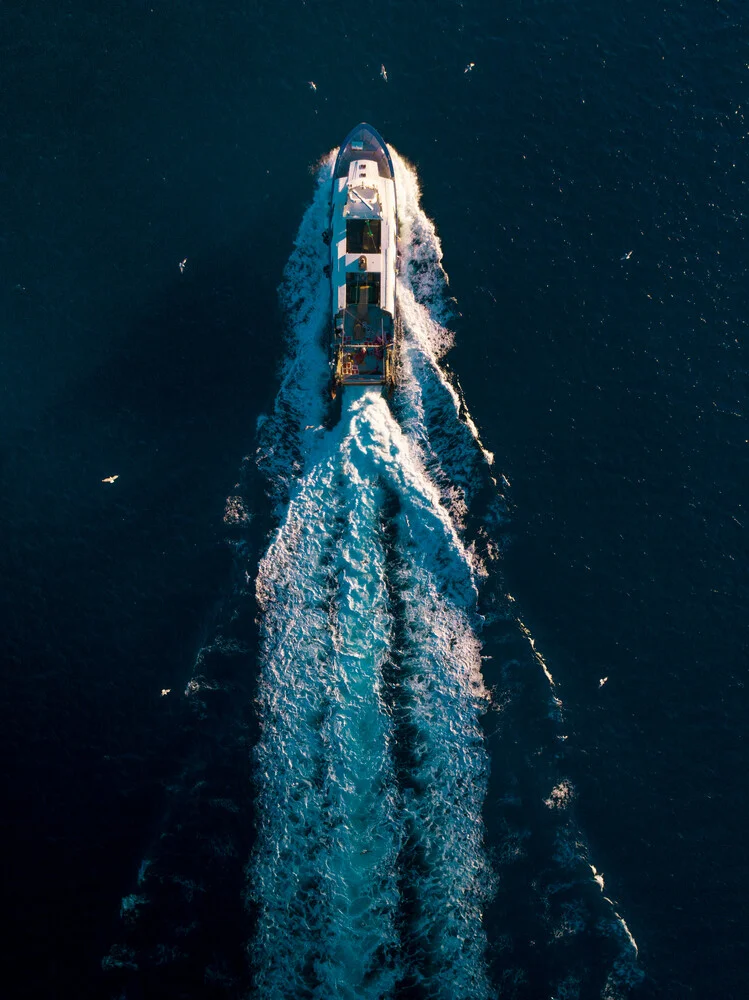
(427,403)
(300,405)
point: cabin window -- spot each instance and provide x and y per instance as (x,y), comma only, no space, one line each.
(363,235)
(355,280)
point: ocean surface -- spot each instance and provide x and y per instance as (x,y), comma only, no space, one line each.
(442,696)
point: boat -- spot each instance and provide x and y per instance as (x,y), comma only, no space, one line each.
(362,237)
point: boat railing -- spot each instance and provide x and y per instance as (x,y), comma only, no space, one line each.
(363,343)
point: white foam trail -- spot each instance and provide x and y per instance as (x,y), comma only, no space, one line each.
(427,402)
(364,879)
(440,678)
(426,308)
(324,874)
(627,931)
(286,436)
(326,909)
(597,877)
(287,873)
(556,701)
(440,672)
(362,806)
(421,258)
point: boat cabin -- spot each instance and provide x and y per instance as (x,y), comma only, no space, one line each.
(363,254)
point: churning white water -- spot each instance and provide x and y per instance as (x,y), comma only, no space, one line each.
(370,866)
(370,872)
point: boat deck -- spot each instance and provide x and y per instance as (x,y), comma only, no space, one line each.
(366,337)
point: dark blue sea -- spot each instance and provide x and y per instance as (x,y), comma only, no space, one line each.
(438,697)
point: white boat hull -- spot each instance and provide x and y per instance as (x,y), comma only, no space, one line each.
(363,253)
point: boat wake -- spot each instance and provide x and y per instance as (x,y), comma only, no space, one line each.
(369,869)
(371,873)
(388,861)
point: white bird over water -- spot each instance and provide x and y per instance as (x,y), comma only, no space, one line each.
(182,265)
(110,479)
(602,681)
(469,67)
(312,85)
(384,73)
(627,255)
